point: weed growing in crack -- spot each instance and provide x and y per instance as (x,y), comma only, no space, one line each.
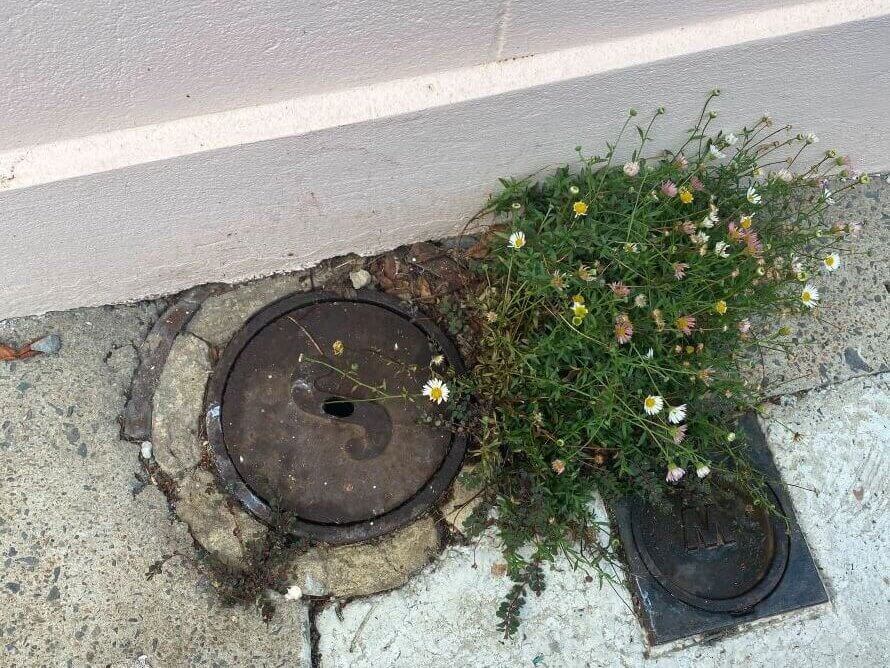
(622,309)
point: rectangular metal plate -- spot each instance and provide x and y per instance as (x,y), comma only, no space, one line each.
(666,618)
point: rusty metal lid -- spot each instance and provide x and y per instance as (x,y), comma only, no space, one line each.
(304,437)
(720,553)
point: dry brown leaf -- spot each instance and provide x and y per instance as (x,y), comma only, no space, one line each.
(423,288)
(479,250)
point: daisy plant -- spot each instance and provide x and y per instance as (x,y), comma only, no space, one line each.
(619,319)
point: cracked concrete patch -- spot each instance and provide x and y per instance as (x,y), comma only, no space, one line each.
(367,568)
(179,404)
(222,528)
(222,315)
(460,505)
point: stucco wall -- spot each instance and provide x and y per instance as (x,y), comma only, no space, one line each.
(156,208)
(76,68)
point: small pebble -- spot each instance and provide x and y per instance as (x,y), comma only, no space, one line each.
(360,279)
(294,593)
(48,344)
(145,449)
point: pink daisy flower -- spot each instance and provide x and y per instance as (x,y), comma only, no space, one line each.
(696,184)
(735,233)
(680,161)
(678,433)
(680,269)
(619,289)
(753,245)
(675,473)
(686,323)
(669,189)
(688,227)
(624,329)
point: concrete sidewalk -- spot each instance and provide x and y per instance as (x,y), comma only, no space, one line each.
(95,570)
(80,537)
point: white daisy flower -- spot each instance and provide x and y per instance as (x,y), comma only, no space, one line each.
(516,240)
(809,296)
(715,152)
(753,196)
(436,390)
(677,414)
(675,474)
(730,139)
(702,471)
(653,404)
(631,168)
(721,248)
(640,301)
(700,238)
(811,138)
(832,261)
(711,219)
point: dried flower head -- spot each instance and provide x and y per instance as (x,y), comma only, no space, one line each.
(624,329)
(619,289)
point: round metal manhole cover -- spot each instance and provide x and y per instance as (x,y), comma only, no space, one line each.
(305,437)
(721,554)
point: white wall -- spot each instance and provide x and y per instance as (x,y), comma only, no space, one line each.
(71,69)
(153,209)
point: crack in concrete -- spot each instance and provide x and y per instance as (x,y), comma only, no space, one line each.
(315,608)
(824,386)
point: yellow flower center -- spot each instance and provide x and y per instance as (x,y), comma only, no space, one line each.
(580,208)
(685,196)
(806,296)
(650,402)
(746,222)
(720,307)
(829,261)
(436,393)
